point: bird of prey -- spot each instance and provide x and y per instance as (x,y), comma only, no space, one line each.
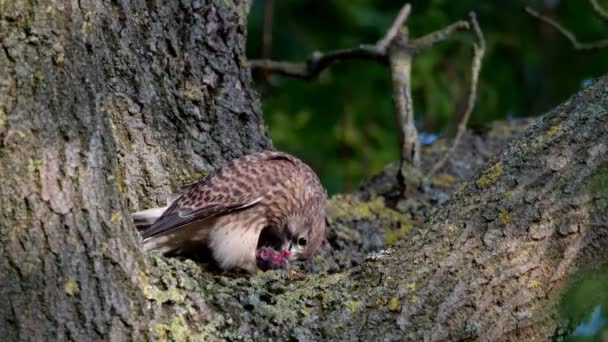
(260,210)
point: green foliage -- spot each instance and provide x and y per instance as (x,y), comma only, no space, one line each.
(585,305)
(342,123)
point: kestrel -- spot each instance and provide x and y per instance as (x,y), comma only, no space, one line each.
(259,210)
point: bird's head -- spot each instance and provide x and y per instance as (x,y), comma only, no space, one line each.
(305,234)
(295,236)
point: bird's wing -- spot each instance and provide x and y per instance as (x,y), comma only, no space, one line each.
(178,216)
(239,184)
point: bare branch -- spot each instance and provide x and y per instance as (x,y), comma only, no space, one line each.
(319,61)
(267,29)
(428,40)
(478,53)
(395,50)
(599,10)
(601,44)
(401,67)
(401,18)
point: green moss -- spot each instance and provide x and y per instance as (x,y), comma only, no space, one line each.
(352,305)
(347,208)
(177,330)
(71,287)
(159,294)
(443,180)
(489,176)
(391,236)
(342,206)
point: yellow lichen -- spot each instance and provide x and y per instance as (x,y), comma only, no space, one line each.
(348,207)
(193,93)
(172,294)
(144,285)
(2,116)
(71,287)
(489,176)
(104,248)
(451,227)
(553,130)
(177,330)
(34,165)
(393,304)
(411,286)
(352,305)
(115,216)
(504,216)
(391,236)
(534,284)
(120,181)
(443,180)
(60,58)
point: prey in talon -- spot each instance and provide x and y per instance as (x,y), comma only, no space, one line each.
(269,259)
(261,210)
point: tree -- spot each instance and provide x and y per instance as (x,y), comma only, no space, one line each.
(107,107)
(104,108)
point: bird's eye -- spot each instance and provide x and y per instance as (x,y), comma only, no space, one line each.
(302,241)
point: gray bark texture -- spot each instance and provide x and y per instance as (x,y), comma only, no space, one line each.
(108,106)
(105,107)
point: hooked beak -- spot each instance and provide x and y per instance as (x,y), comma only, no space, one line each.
(292,253)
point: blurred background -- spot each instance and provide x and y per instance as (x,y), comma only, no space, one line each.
(342,123)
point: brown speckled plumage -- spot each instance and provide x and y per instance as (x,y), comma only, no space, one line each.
(269,193)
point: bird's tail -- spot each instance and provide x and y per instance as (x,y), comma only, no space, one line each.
(145,218)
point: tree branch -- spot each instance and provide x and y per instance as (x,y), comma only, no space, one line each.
(395,50)
(430,39)
(319,61)
(478,53)
(390,35)
(599,10)
(601,44)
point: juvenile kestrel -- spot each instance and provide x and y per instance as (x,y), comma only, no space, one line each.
(262,209)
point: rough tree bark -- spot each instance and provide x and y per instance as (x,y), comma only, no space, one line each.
(108,106)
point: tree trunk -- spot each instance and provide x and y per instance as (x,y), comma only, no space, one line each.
(106,107)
